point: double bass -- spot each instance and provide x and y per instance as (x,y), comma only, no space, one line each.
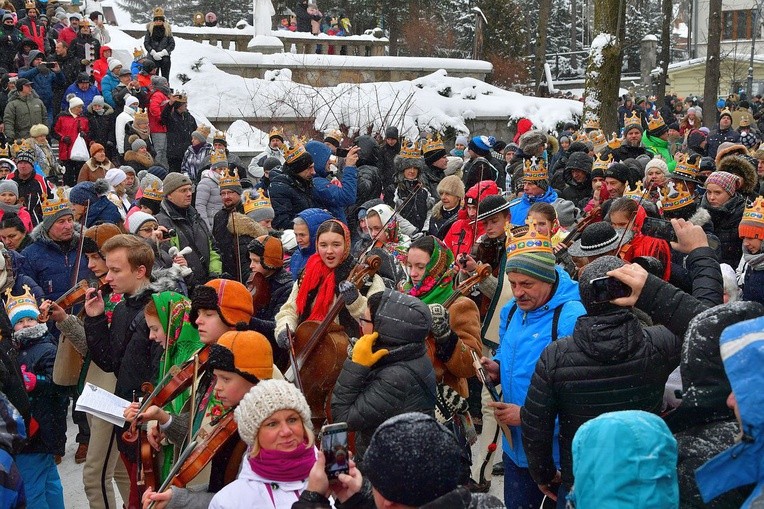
(321,347)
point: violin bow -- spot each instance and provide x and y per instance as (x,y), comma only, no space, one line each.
(175,469)
(193,399)
(293,361)
(81,245)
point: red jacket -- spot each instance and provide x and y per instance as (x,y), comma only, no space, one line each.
(101,67)
(23,214)
(33,31)
(67,35)
(157,102)
(460,243)
(69,127)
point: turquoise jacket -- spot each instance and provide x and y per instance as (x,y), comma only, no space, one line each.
(521,342)
(626,460)
(742,350)
(519,208)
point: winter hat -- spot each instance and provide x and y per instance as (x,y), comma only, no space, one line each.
(114,63)
(580,161)
(83,77)
(257,206)
(21,306)
(412,459)
(462,140)
(9,186)
(596,269)
(229,179)
(97,235)
(96,148)
(38,130)
(130,100)
(230,299)
(270,251)
(482,145)
(8,16)
(150,181)
(453,165)
(265,399)
(115,176)
(531,254)
(725,113)
(532,141)
(74,102)
(727,181)
(752,224)
(659,163)
(98,101)
(707,164)
(523,126)
(26,156)
(491,206)
(618,171)
(271,163)
(391,132)
(174,181)
(201,133)
(83,193)
(246,353)
(137,144)
(148,65)
(596,240)
(137,220)
(21,82)
(749,139)
(452,185)
(125,71)
(159,81)
(54,209)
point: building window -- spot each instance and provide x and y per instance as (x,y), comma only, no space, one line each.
(737,24)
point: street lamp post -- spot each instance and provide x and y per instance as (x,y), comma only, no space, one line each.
(755,26)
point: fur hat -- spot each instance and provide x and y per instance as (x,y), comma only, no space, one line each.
(452,185)
(230,299)
(270,251)
(246,353)
(97,235)
(38,130)
(532,141)
(743,167)
(265,399)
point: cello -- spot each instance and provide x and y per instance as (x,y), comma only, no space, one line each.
(321,347)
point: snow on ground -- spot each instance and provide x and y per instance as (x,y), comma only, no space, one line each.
(430,103)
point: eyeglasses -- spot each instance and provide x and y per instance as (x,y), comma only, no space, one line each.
(149,229)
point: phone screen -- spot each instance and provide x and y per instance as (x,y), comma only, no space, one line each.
(658,228)
(334,444)
(608,288)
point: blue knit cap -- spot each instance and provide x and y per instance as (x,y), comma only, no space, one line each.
(82,193)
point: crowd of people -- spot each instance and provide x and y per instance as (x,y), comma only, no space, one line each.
(579,313)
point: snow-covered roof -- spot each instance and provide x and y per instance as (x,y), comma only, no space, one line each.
(757,59)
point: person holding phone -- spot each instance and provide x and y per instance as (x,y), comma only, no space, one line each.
(274,422)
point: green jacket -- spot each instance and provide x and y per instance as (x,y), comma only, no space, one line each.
(22,113)
(657,146)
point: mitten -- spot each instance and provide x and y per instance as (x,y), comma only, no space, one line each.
(362,353)
(30,380)
(348,292)
(441,328)
(67,140)
(282,339)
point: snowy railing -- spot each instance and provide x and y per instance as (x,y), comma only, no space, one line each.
(304,43)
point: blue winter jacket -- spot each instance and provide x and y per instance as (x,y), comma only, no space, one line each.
(86,96)
(625,459)
(742,350)
(520,345)
(314,217)
(520,207)
(332,197)
(43,83)
(103,211)
(108,84)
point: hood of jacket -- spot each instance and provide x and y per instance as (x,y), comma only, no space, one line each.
(461,498)
(167,28)
(642,468)
(609,338)
(127,109)
(549,196)
(313,217)
(726,210)
(245,226)
(742,167)
(107,110)
(104,49)
(401,319)
(16,95)
(368,153)
(320,154)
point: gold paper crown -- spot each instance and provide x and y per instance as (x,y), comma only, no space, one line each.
(219,135)
(632,121)
(181,97)
(581,137)
(16,303)
(85,23)
(51,207)
(229,178)
(432,143)
(675,195)
(745,121)
(158,12)
(602,164)
(154,191)
(410,149)
(752,224)
(686,165)
(635,194)
(592,123)
(276,132)
(614,143)
(295,150)
(530,241)
(655,121)
(218,157)
(334,134)
(534,170)
(141,114)
(257,201)
(30,4)
(204,130)
(137,53)
(598,139)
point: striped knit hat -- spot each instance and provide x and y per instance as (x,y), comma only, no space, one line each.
(752,224)
(531,254)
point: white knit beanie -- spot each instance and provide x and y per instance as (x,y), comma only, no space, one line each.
(265,399)
(657,162)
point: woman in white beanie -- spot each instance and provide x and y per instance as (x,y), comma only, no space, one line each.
(274,422)
(117,192)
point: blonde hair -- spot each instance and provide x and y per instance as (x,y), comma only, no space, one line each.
(308,429)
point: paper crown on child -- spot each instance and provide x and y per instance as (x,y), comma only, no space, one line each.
(679,198)
(218,159)
(637,193)
(141,114)
(527,239)
(687,167)
(204,130)
(592,123)
(253,201)
(614,143)
(219,137)
(52,206)
(534,170)
(602,163)
(752,224)
(295,150)
(21,306)
(632,121)
(30,4)
(137,53)
(153,191)
(655,121)
(433,143)
(410,149)
(276,132)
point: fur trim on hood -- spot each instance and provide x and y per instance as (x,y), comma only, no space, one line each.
(39,234)
(107,109)
(142,158)
(740,166)
(167,29)
(245,226)
(167,280)
(701,217)
(401,163)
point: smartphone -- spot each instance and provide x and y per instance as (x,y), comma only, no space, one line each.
(334,444)
(50,65)
(659,228)
(168,234)
(342,152)
(608,288)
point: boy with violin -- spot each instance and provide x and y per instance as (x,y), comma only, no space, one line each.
(238,361)
(490,295)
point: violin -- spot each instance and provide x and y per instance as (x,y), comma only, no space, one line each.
(260,290)
(148,473)
(575,233)
(321,347)
(76,295)
(205,450)
(482,271)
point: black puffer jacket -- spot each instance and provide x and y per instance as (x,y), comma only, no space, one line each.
(726,220)
(366,397)
(225,242)
(179,129)
(609,364)
(371,177)
(577,192)
(384,161)
(289,196)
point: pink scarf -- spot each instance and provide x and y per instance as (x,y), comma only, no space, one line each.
(282,466)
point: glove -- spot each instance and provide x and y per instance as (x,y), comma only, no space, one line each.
(163,54)
(441,328)
(282,339)
(362,353)
(155,55)
(348,292)
(30,380)
(67,140)
(85,61)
